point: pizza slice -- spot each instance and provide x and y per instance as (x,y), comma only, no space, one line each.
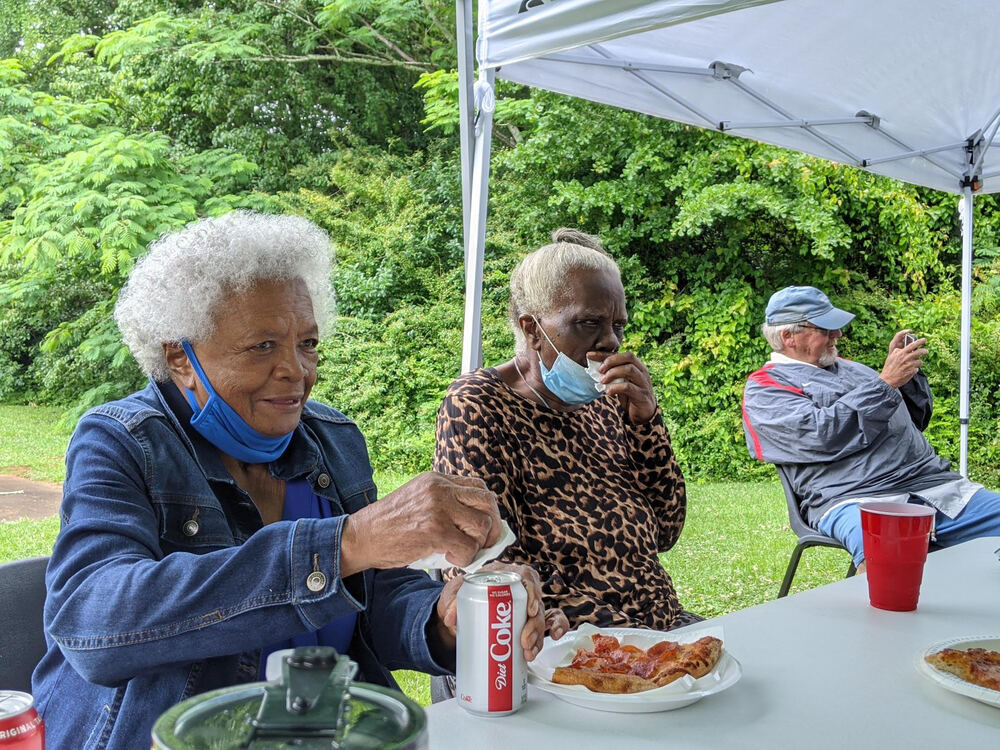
(613,668)
(979,666)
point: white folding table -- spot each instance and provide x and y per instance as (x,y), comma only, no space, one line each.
(821,669)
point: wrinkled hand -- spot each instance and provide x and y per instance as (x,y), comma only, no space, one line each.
(904,360)
(634,389)
(431,513)
(539,621)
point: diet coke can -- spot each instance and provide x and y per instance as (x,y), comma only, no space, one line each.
(21,727)
(491,676)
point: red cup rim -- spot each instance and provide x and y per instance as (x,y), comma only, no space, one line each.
(898,509)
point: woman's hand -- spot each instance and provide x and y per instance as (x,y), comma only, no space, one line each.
(539,620)
(431,513)
(627,377)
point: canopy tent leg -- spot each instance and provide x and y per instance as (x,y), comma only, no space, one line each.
(466,108)
(472,346)
(965,207)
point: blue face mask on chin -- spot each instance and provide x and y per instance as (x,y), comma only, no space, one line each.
(220,425)
(567,381)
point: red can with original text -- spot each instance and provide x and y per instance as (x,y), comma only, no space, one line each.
(491,676)
(21,728)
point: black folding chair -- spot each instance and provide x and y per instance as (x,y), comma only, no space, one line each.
(22,596)
(808,536)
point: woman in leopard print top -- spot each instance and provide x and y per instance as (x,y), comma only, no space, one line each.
(592,490)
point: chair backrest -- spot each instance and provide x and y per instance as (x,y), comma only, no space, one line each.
(795,518)
(22,639)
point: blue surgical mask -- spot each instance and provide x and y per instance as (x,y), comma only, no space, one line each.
(220,425)
(568,381)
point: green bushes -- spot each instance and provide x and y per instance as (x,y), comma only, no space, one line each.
(125,136)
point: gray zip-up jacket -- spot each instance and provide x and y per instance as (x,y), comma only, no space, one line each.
(841,432)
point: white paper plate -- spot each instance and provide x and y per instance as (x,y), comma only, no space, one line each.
(682,692)
(956,684)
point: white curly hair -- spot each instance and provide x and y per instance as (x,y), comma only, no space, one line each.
(538,282)
(172,291)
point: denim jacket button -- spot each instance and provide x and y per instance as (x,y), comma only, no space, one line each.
(316,581)
(190,528)
(323,480)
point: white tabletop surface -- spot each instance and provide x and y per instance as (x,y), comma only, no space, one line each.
(821,669)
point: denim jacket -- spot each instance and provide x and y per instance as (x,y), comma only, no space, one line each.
(164,583)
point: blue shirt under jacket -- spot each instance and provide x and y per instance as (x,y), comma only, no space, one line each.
(164,583)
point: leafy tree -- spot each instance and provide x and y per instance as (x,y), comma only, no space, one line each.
(121,120)
(82,200)
(287,82)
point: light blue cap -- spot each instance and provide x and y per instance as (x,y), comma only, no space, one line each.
(799,304)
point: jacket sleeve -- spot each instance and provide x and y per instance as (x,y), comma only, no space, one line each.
(659,477)
(918,399)
(118,605)
(784,425)
(401,609)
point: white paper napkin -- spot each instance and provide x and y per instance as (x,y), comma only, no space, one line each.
(438,560)
(594,369)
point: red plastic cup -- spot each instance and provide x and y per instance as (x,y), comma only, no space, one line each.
(896,537)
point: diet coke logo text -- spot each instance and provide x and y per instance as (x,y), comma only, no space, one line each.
(501,634)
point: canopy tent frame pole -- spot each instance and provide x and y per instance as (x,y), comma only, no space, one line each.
(466,126)
(472,343)
(965,209)
(662,90)
(731,72)
(475,101)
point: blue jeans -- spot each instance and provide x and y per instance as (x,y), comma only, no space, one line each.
(979,518)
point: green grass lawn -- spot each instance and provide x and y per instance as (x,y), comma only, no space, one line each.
(33,442)
(731,555)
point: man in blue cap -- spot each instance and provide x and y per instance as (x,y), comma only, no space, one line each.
(845,433)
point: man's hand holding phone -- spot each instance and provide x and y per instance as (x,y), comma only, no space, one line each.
(905,358)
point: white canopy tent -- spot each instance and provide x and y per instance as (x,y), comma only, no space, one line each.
(909,89)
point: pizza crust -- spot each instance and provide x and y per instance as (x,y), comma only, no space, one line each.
(600,682)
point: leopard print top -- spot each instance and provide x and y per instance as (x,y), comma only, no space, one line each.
(591,497)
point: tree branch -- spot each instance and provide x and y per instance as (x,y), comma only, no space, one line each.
(388,43)
(339,57)
(289,12)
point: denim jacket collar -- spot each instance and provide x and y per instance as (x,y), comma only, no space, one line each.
(302,457)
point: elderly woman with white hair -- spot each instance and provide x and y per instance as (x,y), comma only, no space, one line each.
(218,514)
(569,436)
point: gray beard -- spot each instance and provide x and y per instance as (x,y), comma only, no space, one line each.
(828,359)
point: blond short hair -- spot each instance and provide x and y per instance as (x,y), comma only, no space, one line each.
(538,283)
